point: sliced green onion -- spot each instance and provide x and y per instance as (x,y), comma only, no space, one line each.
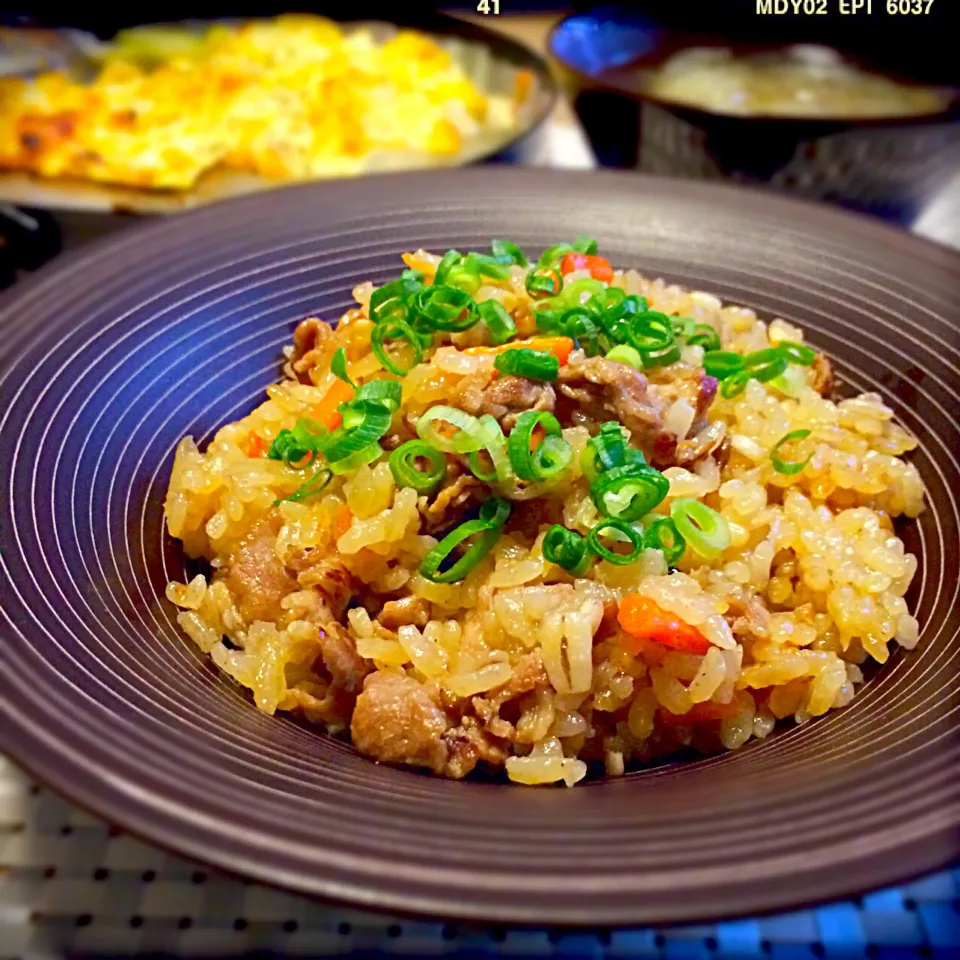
(543,282)
(316,484)
(623,353)
(651,331)
(626,531)
(609,448)
(705,336)
(487,528)
(789,467)
(523,362)
(364,422)
(448,261)
(406,473)
(395,330)
(549,458)
(306,439)
(573,292)
(504,248)
(495,446)
(499,323)
(486,266)
(391,302)
(549,318)
(386,392)
(662,534)
(683,326)
(415,275)
(765,364)
(356,459)
(661,358)
(798,352)
(554,254)
(722,363)
(734,385)
(469,435)
(338,366)
(705,530)
(628,492)
(446,308)
(567,549)
(579,325)
(467,281)
(792,382)
(585,245)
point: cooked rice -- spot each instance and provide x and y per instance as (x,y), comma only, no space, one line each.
(521,660)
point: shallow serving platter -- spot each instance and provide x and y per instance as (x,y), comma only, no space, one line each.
(110,355)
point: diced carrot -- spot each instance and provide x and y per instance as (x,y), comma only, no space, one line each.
(256,445)
(325,411)
(342,520)
(560,347)
(522,83)
(641,617)
(599,267)
(536,437)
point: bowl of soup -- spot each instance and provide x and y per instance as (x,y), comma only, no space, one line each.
(806,118)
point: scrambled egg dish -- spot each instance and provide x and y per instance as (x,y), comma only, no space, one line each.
(287,99)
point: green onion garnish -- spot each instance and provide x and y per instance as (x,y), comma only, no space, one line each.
(316,484)
(523,362)
(468,281)
(579,325)
(626,532)
(705,336)
(450,259)
(683,326)
(446,308)
(609,448)
(553,255)
(789,467)
(765,364)
(487,528)
(662,534)
(504,248)
(338,366)
(722,363)
(364,423)
(406,473)
(798,352)
(567,549)
(495,446)
(395,330)
(573,292)
(585,245)
(734,385)
(469,434)
(704,529)
(661,358)
(391,302)
(499,323)
(306,439)
(484,265)
(387,392)
(628,492)
(550,457)
(623,353)
(544,282)
(357,459)
(651,331)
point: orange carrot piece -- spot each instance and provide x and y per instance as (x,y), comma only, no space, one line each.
(256,445)
(641,617)
(342,520)
(325,411)
(599,267)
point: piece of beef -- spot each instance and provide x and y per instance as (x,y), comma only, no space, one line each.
(407,611)
(460,492)
(398,720)
(255,576)
(339,653)
(822,375)
(504,398)
(309,336)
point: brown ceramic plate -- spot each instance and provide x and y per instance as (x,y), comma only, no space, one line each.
(111,355)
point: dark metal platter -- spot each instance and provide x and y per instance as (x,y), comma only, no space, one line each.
(112,354)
